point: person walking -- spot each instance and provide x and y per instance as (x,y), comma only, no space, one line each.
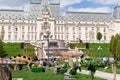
(79,66)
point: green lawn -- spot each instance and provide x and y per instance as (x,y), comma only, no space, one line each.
(93,51)
(48,75)
(99,53)
(15,49)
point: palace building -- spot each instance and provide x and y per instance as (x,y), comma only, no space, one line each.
(45,17)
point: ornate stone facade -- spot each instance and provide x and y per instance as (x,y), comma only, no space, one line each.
(43,16)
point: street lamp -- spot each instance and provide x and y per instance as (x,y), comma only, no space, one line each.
(48,36)
(42,50)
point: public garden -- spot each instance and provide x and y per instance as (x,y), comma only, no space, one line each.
(98,58)
(14,49)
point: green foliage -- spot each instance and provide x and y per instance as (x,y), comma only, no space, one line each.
(62,70)
(74,71)
(2,52)
(115,45)
(13,49)
(92,65)
(99,36)
(111,43)
(118,49)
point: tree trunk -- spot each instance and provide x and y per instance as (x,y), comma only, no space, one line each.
(114,70)
(5,73)
(92,75)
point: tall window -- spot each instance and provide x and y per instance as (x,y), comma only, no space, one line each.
(104,29)
(55,29)
(45,26)
(58,36)
(67,29)
(15,36)
(28,28)
(73,37)
(35,37)
(79,35)
(104,37)
(92,28)
(85,28)
(58,29)
(23,28)
(35,28)
(9,37)
(31,36)
(61,29)
(55,36)
(98,29)
(16,28)
(73,28)
(28,37)
(67,37)
(32,28)
(79,28)
(61,36)
(22,36)
(9,28)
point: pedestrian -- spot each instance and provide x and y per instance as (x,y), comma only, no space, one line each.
(79,66)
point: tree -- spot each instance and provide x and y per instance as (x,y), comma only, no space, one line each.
(118,49)
(114,45)
(114,49)
(111,43)
(2,52)
(99,36)
(92,66)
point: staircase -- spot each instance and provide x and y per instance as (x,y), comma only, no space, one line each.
(54,45)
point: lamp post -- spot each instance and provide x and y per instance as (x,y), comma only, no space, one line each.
(47,36)
(42,50)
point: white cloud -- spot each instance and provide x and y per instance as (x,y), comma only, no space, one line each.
(108,2)
(13,4)
(100,9)
(64,3)
(9,7)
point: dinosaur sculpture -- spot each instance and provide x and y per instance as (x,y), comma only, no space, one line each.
(24,59)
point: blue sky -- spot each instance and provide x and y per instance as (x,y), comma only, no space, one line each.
(103,6)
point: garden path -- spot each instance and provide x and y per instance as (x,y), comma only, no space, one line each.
(101,74)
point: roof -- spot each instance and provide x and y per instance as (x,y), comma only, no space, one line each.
(87,16)
(12,10)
